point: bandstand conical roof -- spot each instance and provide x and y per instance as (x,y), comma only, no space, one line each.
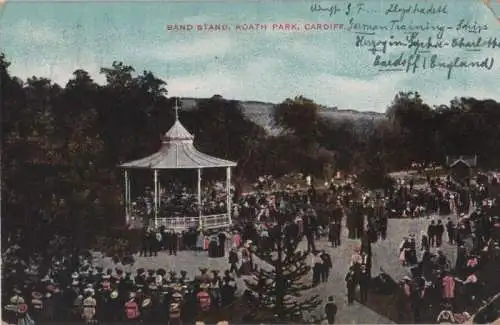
(178,152)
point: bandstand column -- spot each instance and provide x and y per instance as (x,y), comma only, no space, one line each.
(228,193)
(127,198)
(156,197)
(200,222)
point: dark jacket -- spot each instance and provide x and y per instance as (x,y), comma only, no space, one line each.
(233,257)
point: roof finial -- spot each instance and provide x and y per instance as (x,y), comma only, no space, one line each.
(176,107)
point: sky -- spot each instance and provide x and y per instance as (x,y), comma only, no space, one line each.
(53,39)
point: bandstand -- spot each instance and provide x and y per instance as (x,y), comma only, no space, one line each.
(178,152)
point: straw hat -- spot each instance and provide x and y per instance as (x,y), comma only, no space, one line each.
(204,286)
(146,302)
(10,308)
(17,300)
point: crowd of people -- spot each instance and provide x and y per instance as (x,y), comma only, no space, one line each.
(367,216)
(95,294)
(433,283)
(178,200)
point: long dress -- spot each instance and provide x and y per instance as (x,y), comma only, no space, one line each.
(245,262)
(200,241)
(89,309)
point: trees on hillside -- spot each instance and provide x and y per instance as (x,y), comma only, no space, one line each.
(300,117)
(300,120)
(415,122)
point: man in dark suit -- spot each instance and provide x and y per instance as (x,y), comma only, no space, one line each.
(431,233)
(331,310)
(327,265)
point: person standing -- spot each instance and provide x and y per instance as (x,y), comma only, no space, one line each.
(364,282)
(200,241)
(309,232)
(338,230)
(204,299)
(416,305)
(412,252)
(157,242)
(404,247)
(222,244)
(424,242)
(172,242)
(431,233)
(330,310)
(317,266)
(383,227)
(471,287)
(450,230)
(89,307)
(233,261)
(439,233)
(151,242)
(37,306)
(175,309)
(132,312)
(350,280)
(327,265)
(145,244)
(448,287)
(331,234)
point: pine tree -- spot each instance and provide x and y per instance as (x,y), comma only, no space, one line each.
(280,288)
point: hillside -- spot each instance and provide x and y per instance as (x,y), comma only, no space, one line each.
(260,113)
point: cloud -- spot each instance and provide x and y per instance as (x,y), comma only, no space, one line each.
(267,66)
(270,79)
(229,83)
(267,79)
(184,49)
(40,33)
(59,71)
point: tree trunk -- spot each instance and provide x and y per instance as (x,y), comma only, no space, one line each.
(279,274)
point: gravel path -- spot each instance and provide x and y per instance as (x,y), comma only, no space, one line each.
(385,255)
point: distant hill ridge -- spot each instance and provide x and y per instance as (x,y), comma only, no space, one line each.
(260,112)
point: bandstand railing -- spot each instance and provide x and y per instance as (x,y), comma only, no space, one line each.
(176,223)
(213,221)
